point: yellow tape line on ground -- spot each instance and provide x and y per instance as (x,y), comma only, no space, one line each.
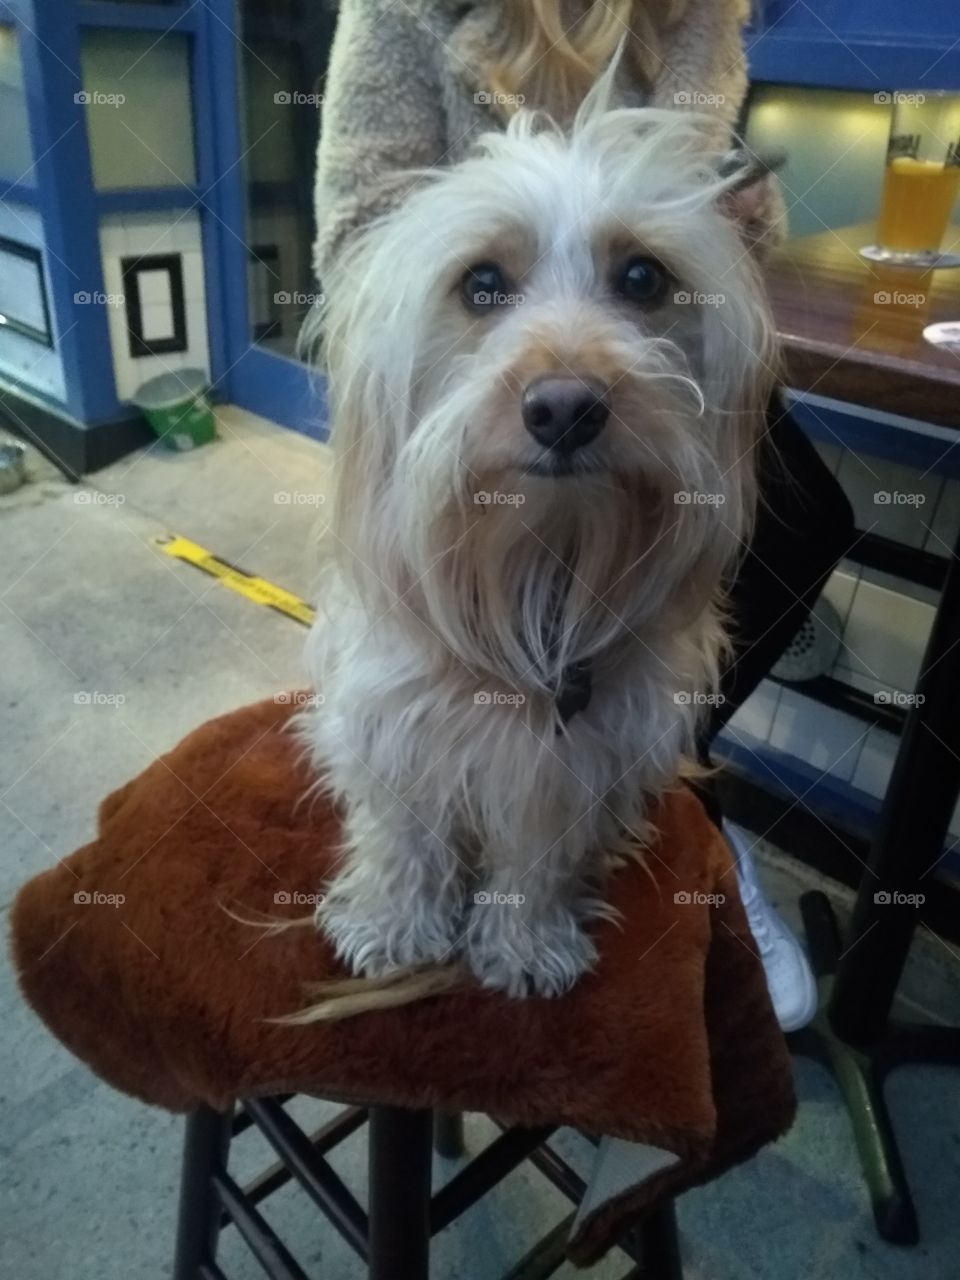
(259,590)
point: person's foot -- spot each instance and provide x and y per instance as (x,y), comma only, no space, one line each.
(790,980)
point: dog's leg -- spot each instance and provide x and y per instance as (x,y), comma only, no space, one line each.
(527,932)
(398,899)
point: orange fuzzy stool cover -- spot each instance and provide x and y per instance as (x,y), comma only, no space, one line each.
(124,951)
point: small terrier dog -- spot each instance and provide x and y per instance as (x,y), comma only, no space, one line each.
(547,372)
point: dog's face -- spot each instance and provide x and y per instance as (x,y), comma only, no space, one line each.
(550,363)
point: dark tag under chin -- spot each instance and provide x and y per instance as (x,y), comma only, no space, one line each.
(576,686)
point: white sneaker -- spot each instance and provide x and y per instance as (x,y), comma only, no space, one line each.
(790,980)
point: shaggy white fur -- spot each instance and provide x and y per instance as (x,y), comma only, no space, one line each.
(471,566)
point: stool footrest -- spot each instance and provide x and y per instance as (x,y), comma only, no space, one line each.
(322,1140)
(261,1239)
(493,1164)
(324,1186)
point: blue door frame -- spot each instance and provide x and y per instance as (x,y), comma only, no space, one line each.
(258,379)
(61,189)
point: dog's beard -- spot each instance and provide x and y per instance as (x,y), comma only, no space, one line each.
(525,590)
(568,569)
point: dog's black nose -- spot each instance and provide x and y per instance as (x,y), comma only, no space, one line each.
(565,413)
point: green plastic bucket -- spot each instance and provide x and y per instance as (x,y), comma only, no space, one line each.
(177,406)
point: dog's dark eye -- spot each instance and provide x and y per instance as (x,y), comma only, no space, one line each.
(484,285)
(642,280)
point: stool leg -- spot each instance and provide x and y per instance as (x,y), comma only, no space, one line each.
(205,1148)
(448,1134)
(659,1244)
(399,1162)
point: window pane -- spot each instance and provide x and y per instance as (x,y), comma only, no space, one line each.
(284,64)
(139,109)
(16,152)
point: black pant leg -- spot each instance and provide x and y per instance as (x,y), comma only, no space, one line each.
(804,527)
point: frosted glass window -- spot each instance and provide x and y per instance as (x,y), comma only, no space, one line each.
(139,109)
(16,152)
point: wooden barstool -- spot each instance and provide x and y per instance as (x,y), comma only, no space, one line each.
(393,1235)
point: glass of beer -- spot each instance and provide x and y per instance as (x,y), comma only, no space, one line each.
(922,176)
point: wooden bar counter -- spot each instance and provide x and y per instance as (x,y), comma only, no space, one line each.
(853,330)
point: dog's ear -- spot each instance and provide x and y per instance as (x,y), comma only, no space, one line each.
(753,198)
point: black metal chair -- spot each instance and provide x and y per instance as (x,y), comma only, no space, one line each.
(393,1235)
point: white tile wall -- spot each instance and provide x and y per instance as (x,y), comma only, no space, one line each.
(900,586)
(141,234)
(876,760)
(864,477)
(755,717)
(827,739)
(858,680)
(885,637)
(886,623)
(840,590)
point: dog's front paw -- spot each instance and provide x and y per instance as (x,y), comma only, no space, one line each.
(542,956)
(373,935)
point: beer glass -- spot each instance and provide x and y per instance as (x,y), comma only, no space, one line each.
(922,175)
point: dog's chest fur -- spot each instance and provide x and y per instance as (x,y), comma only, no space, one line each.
(468,753)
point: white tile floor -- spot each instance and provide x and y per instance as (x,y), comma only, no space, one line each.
(88,1177)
